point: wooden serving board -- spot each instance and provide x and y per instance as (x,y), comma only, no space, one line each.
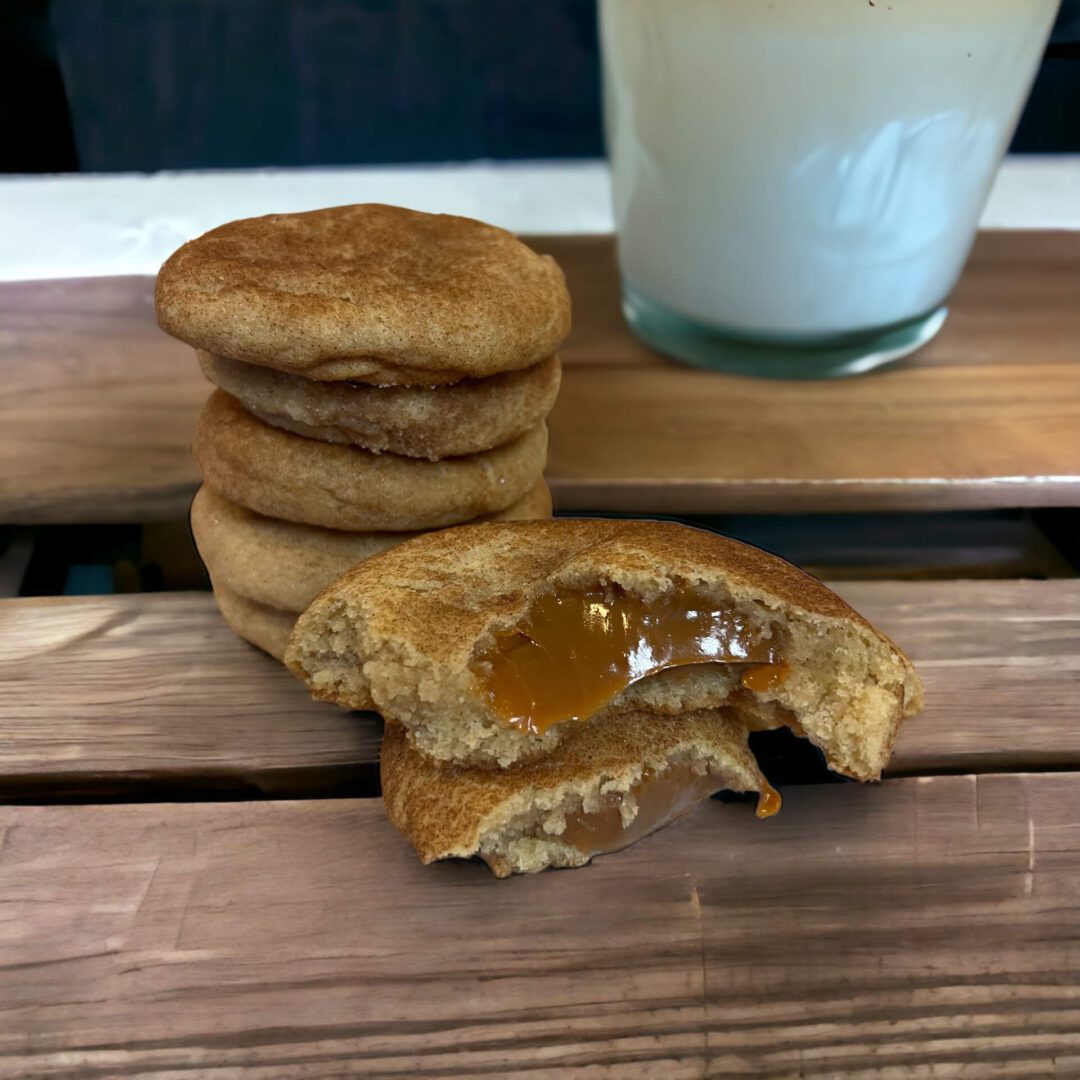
(152,694)
(920,927)
(99,406)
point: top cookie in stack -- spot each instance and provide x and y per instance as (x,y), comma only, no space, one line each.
(370,293)
(381,372)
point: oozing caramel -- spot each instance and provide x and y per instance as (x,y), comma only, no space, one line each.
(661,799)
(574,651)
(763,677)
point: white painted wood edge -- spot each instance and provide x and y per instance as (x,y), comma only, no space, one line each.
(98,225)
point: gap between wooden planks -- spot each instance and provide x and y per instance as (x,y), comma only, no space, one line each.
(921,926)
(152,694)
(99,406)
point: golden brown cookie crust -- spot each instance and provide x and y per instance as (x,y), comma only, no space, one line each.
(446,811)
(361,292)
(461,418)
(282,475)
(285,564)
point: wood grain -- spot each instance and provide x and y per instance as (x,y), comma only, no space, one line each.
(987,415)
(920,927)
(100,406)
(1001,664)
(151,693)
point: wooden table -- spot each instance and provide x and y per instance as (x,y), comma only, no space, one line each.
(152,693)
(99,406)
(196,876)
(926,922)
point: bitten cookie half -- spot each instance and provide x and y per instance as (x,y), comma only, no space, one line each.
(603,789)
(491,643)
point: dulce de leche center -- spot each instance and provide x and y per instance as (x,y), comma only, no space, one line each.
(574,650)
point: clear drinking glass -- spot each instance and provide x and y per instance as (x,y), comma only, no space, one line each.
(797,183)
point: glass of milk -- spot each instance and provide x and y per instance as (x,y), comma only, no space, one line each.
(797,183)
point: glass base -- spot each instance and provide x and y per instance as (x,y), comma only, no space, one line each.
(774,358)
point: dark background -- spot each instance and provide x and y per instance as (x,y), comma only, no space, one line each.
(102,85)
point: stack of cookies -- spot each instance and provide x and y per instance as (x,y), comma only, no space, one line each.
(380,372)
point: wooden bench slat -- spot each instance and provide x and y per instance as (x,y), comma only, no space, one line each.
(920,924)
(152,692)
(99,406)
(1001,664)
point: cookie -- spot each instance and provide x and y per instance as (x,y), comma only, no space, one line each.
(608,787)
(491,643)
(461,418)
(373,293)
(284,564)
(264,626)
(282,475)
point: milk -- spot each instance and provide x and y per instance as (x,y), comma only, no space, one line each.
(800,169)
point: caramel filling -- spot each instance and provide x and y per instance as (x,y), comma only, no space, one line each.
(764,677)
(661,799)
(574,651)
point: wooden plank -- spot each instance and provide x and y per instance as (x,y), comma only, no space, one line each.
(1001,664)
(987,415)
(152,693)
(920,927)
(100,407)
